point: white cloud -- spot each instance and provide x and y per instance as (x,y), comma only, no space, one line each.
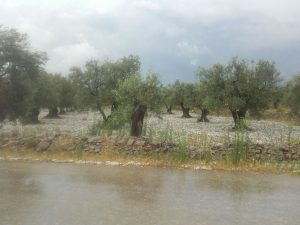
(67,56)
(165,33)
(186,48)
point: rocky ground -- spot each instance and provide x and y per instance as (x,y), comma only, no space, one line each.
(169,127)
(169,134)
(72,123)
(220,128)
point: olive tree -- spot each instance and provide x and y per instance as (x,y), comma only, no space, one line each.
(19,69)
(293,95)
(137,95)
(185,97)
(5,98)
(100,81)
(48,92)
(278,96)
(67,93)
(168,98)
(202,102)
(241,86)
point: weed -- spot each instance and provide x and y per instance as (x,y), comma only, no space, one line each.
(79,150)
(31,142)
(144,131)
(16,131)
(181,155)
(95,129)
(289,135)
(239,148)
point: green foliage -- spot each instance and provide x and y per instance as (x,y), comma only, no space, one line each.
(278,94)
(168,134)
(48,91)
(131,93)
(97,84)
(92,82)
(19,70)
(213,80)
(203,100)
(137,90)
(240,85)
(79,150)
(293,95)
(185,94)
(53,91)
(168,96)
(136,96)
(240,147)
(67,93)
(95,129)
(181,154)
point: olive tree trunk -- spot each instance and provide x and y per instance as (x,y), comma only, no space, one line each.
(32,117)
(169,109)
(114,107)
(137,120)
(203,118)
(102,112)
(239,118)
(53,112)
(35,115)
(62,110)
(185,111)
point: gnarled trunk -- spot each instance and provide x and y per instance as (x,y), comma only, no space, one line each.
(203,118)
(114,107)
(137,120)
(169,109)
(34,118)
(62,110)
(102,112)
(53,112)
(69,109)
(185,111)
(276,104)
(239,118)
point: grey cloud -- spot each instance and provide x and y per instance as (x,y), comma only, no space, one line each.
(172,38)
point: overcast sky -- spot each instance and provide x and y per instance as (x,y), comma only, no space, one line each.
(172,37)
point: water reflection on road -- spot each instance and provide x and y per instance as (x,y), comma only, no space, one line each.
(47,193)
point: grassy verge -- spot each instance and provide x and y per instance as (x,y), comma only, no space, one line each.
(178,159)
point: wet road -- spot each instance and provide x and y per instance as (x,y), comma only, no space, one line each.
(50,194)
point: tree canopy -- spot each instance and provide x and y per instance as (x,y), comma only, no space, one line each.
(19,70)
(293,95)
(168,97)
(241,86)
(100,80)
(137,95)
(185,97)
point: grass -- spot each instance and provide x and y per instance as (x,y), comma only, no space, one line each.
(281,114)
(79,150)
(179,160)
(240,147)
(181,154)
(23,131)
(238,140)
(107,129)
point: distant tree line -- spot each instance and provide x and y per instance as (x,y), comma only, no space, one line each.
(241,86)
